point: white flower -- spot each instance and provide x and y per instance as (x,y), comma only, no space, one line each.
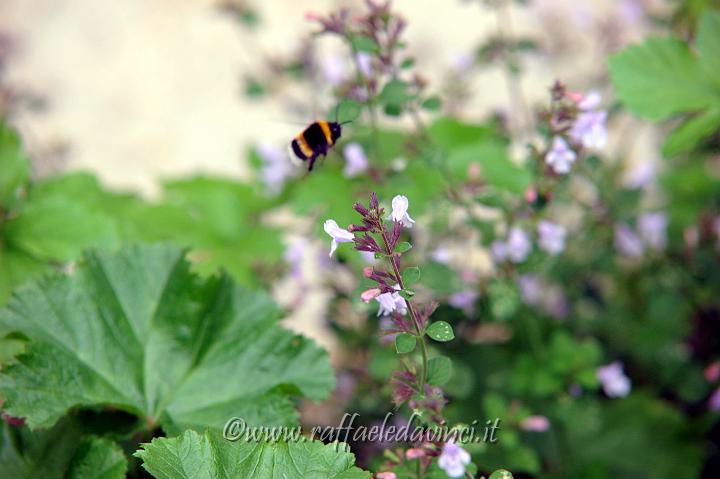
(518,245)
(337,234)
(399,213)
(333,69)
(441,255)
(589,129)
(640,176)
(531,289)
(653,229)
(464,300)
(561,156)
(614,381)
(390,302)
(453,460)
(499,250)
(627,242)
(276,167)
(590,101)
(552,237)
(364,63)
(355,160)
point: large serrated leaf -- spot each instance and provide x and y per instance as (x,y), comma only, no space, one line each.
(62,452)
(138,331)
(659,78)
(210,456)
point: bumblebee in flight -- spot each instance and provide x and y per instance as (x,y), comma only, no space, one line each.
(316,140)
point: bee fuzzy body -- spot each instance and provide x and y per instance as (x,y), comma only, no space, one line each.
(316,140)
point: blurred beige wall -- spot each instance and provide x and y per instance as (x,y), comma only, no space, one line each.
(141,89)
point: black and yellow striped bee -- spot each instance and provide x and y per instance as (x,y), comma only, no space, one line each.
(316,140)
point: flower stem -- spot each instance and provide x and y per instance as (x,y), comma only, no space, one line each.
(411,311)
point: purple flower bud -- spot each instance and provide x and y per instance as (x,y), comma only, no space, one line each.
(360,209)
(535,424)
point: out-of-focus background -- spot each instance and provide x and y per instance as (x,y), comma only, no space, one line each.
(145,89)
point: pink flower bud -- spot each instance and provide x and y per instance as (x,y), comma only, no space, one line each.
(531,195)
(367,271)
(386,475)
(414,453)
(535,424)
(712,372)
(370,294)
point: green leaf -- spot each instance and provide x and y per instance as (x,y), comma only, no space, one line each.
(439,370)
(347,111)
(363,43)
(441,331)
(659,78)
(407,63)
(61,452)
(136,330)
(708,43)
(403,247)
(407,293)
(495,166)
(14,166)
(433,103)
(411,275)
(98,458)
(59,228)
(689,134)
(501,474)
(210,456)
(405,343)
(395,94)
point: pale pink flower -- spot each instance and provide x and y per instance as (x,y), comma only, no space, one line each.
(385,475)
(370,294)
(414,453)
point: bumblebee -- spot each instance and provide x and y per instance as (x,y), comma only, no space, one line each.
(316,140)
